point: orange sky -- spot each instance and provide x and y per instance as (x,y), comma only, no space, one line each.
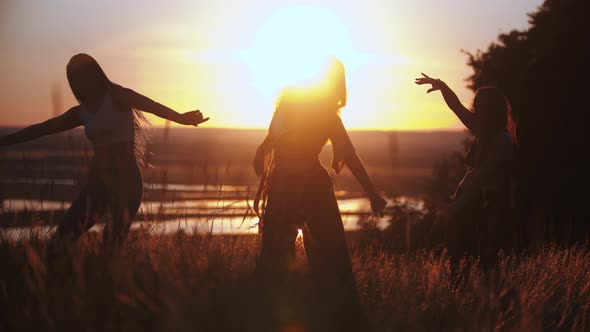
(230,58)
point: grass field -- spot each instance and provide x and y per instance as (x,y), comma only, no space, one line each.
(206,283)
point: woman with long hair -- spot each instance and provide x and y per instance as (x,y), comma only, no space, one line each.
(296,193)
(112,122)
(477,216)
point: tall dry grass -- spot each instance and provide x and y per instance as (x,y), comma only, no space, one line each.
(207,283)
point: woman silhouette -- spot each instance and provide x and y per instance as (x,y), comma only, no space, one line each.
(110,116)
(478,213)
(297,193)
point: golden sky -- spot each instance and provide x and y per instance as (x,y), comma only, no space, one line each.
(230,58)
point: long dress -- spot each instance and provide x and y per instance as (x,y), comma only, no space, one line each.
(482,200)
(300,195)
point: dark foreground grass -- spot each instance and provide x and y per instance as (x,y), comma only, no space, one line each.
(206,283)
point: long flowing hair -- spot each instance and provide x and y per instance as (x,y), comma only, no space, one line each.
(84,64)
(498,116)
(336,77)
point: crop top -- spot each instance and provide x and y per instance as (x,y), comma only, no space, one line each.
(109,124)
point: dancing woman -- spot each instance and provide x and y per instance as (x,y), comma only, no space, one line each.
(478,213)
(297,193)
(112,122)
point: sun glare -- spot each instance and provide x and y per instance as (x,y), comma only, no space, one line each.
(286,47)
(292,45)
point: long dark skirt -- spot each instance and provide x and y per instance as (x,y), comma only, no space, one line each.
(308,203)
(483,229)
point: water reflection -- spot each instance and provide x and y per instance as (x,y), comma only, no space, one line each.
(187,207)
(146,185)
(196,209)
(194,225)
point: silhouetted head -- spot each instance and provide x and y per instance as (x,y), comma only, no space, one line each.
(326,91)
(493,109)
(335,81)
(87,79)
(89,83)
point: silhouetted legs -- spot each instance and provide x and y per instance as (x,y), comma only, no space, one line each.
(481,232)
(272,269)
(336,306)
(123,207)
(118,202)
(278,248)
(88,207)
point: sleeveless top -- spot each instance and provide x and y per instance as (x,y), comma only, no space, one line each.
(109,124)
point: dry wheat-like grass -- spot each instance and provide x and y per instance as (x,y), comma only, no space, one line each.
(206,283)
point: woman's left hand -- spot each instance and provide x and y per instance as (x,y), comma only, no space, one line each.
(377,205)
(193,118)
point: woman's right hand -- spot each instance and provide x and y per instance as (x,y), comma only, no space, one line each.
(425,79)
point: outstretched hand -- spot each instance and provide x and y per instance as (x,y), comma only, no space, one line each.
(425,79)
(378,205)
(193,118)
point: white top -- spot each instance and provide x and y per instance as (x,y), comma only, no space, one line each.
(109,124)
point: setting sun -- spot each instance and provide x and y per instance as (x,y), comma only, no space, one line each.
(291,45)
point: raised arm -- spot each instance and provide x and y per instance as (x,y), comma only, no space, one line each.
(467,117)
(138,101)
(66,121)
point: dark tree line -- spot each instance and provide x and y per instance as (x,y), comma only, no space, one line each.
(545,73)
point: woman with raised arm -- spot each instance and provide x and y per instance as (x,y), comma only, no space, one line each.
(111,119)
(479,208)
(297,193)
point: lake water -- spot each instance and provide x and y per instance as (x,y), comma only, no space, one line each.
(196,209)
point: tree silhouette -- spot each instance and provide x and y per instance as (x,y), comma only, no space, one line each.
(544,71)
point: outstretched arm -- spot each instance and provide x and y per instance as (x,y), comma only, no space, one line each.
(66,121)
(466,116)
(138,101)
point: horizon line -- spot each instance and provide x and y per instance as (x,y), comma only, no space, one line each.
(266,128)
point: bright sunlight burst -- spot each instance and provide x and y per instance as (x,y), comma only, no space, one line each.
(292,45)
